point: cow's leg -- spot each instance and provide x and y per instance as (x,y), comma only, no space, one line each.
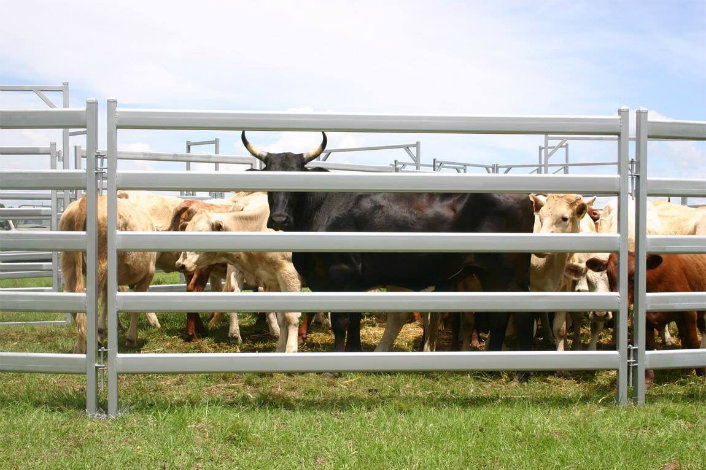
(197,283)
(322,318)
(233,283)
(666,337)
(290,327)
(339,325)
(687,332)
(702,328)
(576,318)
(596,328)
(498,326)
(432,333)
(272,325)
(141,286)
(304,327)
(393,326)
(649,346)
(559,330)
(547,329)
(288,281)
(80,320)
(353,335)
(153,320)
(467,330)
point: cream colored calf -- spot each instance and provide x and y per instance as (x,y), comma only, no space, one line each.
(273,270)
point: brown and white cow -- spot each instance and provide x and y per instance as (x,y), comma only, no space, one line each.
(665,273)
(135,269)
(215,274)
(273,270)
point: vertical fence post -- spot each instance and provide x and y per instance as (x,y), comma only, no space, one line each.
(623,201)
(53,222)
(639,313)
(112,266)
(65,138)
(91,256)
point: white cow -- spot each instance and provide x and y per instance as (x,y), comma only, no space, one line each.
(556,213)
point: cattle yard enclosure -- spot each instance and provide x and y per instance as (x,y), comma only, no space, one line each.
(625,358)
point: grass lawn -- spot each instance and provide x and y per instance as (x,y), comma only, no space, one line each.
(382,420)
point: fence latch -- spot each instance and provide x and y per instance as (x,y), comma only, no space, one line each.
(632,364)
(101,367)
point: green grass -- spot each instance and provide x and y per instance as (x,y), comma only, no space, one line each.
(383,420)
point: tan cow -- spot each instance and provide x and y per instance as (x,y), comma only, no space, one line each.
(556,213)
(135,269)
(273,270)
(677,219)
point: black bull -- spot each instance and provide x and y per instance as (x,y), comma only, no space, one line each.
(401,212)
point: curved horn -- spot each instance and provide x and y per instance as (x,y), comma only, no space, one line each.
(254,151)
(309,156)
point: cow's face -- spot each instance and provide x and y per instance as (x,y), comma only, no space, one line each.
(610,266)
(558,213)
(189,261)
(283,205)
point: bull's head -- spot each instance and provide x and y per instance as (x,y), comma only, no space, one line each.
(283,204)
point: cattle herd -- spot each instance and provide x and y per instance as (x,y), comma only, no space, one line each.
(354,272)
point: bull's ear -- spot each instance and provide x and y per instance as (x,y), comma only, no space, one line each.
(538,201)
(581,209)
(217,226)
(653,261)
(575,271)
(597,264)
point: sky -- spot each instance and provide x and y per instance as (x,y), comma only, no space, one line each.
(391,57)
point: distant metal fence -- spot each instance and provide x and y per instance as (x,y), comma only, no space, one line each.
(39,241)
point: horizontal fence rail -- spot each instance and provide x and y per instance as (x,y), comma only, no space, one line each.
(407,182)
(43,179)
(227,120)
(676,302)
(682,130)
(43,302)
(31,240)
(43,362)
(676,244)
(366,241)
(43,119)
(368,301)
(365,362)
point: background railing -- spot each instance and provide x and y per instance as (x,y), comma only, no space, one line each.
(37,241)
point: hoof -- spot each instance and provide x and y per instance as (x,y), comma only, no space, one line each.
(130,343)
(331,375)
(235,339)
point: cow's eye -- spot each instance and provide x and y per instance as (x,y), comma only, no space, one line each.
(564,218)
